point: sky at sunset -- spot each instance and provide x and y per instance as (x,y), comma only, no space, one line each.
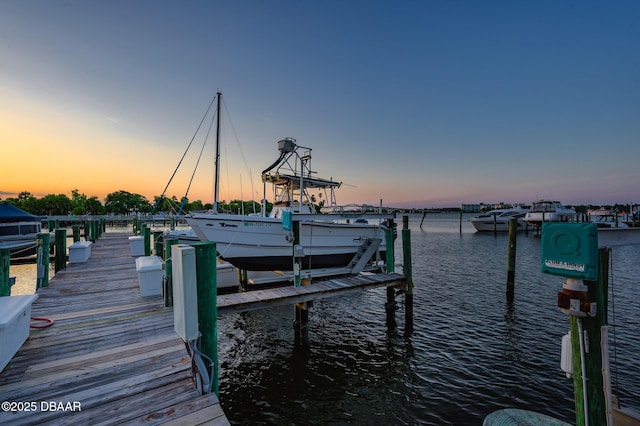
(418,103)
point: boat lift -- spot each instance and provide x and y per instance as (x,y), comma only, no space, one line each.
(359,263)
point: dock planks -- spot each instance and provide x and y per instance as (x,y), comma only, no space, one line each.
(116,353)
(111,352)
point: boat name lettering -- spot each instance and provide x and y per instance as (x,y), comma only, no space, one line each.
(254,224)
(564,265)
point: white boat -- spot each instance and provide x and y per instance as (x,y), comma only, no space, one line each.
(605,219)
(548,211)
(498,220)
(259,243)
(18,230)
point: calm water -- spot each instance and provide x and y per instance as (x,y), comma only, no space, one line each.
(471,352)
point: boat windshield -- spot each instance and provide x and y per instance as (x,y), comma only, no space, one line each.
(543,207)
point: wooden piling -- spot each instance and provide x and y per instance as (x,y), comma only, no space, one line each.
(43,253)
(301,326)
(597,292)
(5,263)
(60,250)
(167,287)
(408,276)
(76,233)
(390,305)
(301,314)
(511,264)
(146,233)
(158,244)
(207,303)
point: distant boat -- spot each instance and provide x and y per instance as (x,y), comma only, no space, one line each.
(548,211)
(18,230)
(498,220)
(606,219)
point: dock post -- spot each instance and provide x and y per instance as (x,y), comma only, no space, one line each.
(243,279)
(5,263)
(511,264)
(461,221)
(597,291)
(157,243)
(61,250)
(76,233)
(206,276)
(390,306)
(168,271)
(301,326)
(43,253)
(408,276)
(301,313)
(297,263)
(146,233)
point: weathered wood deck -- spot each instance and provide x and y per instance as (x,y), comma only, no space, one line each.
(111,352)
(115,355)
(260,299)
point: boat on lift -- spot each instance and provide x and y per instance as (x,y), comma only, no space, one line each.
(266,242)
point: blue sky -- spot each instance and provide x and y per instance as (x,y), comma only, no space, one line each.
(417,103)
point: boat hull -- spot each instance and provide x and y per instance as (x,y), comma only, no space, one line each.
(500,225)
(261,243)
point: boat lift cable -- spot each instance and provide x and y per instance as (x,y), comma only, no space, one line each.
(184,154)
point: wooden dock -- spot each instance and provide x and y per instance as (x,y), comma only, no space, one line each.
(111,357)
(260,299)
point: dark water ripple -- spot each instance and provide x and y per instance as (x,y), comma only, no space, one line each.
(471,353)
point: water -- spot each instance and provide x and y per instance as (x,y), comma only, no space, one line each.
(471,352)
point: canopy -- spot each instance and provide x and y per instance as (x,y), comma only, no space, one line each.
(10,213)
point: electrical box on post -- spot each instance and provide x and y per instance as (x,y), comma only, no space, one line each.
(287,221)
(185,291)
(570,250)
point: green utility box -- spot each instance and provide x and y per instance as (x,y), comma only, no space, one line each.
(570,250)
(287,221)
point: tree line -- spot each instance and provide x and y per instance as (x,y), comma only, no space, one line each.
(119,202)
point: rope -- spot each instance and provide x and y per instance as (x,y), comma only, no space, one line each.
(185,151)
(204,143)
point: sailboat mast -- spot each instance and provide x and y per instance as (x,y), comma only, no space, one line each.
(217,161)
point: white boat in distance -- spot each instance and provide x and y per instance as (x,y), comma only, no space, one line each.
(260,243)
(498,220)
(606,219)
(548,211)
